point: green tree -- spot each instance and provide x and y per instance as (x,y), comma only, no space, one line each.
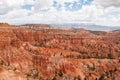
(60,73)
(54,78)
(102,77)
(110,56)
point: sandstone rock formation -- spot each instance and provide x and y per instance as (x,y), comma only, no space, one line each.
(58,54)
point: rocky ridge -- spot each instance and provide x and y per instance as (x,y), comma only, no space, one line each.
(58,54)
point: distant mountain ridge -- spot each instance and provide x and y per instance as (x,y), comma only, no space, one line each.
(93,27)
(37,26)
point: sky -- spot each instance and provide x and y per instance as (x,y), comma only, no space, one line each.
(100,12)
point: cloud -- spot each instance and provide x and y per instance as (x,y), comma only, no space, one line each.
(103,12)
(107,3)
(4,7)
(9,5)
(42,4)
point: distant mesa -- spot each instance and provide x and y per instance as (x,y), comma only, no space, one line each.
(6,25)
(37,26)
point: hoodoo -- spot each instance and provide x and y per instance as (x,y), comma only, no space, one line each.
(41,53)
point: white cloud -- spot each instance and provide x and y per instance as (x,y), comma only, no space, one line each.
(4,7)
(103,12)
(9,5)
(14,3)
(30,2)
(42,4)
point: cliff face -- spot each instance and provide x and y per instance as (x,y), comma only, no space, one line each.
(70,54)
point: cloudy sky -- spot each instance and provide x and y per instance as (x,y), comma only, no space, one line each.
(103,12)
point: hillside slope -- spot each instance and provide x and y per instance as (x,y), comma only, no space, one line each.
(58,54)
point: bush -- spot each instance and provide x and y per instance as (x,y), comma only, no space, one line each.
(83,52)
(41,78)
(14,69)
(28,75)
(110,56)
(102,77)
(60,73)
(54,78)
